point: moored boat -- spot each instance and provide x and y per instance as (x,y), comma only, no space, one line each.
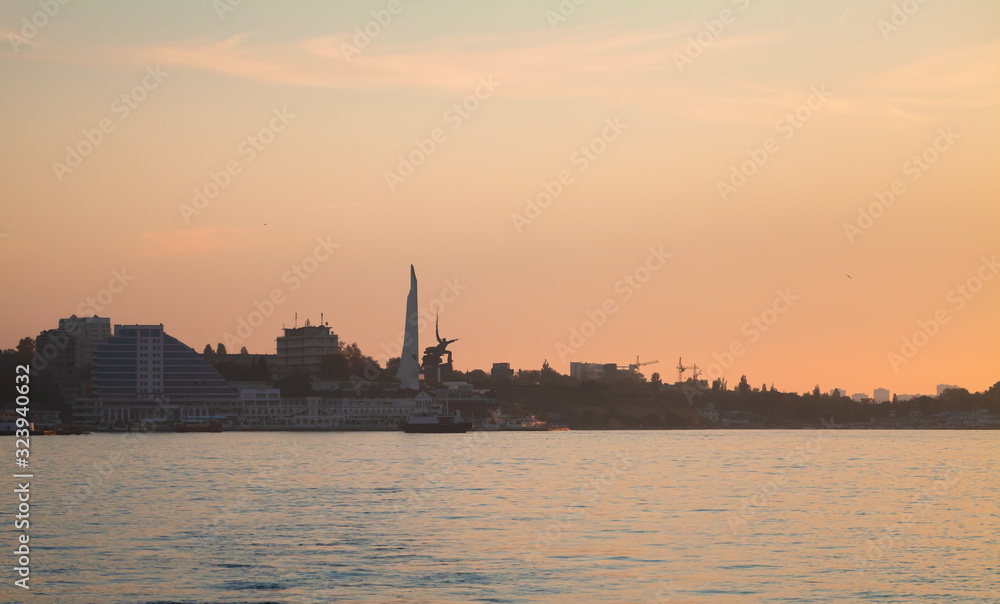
(433,421)
(198,426)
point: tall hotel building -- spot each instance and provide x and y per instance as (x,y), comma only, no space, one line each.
(142,374)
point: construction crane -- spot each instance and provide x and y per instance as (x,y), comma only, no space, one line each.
(634,367)
(681,369)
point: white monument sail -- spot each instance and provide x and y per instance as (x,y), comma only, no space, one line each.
(409,360)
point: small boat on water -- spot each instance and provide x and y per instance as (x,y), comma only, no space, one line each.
(523,424)
(434,421)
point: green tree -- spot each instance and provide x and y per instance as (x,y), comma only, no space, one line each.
(208,351)
(244,351)
(547,375)
(744,388)
(655,379)
(259,372)
(335,367)
(220,349)
(392,366)
(479,378)
(26,349)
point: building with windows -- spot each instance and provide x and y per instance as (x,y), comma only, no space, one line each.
(88,332)
(266,409)
(302,349)
(62,356)
(882,395)
(593,372)
(142,375)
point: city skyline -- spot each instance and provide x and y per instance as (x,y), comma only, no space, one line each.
(788,194)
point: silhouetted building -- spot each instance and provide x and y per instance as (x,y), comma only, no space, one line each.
(143,375)
(882,395)
(63,357)
(89,332)
(501,372)
(302,349)
(593,372)
(942,387)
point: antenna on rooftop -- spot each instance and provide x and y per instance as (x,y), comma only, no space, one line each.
(296,319)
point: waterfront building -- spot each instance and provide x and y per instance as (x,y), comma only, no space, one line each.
(269,411)
(88,332)
(882,395)
(62,356)
(302,349)
(709,413)
(143,376)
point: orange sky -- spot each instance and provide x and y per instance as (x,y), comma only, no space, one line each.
(739,140)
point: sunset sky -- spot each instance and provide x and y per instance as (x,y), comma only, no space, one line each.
(204,151)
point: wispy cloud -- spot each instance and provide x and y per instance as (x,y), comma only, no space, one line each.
(615,63)
(971,74)
(191,242)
